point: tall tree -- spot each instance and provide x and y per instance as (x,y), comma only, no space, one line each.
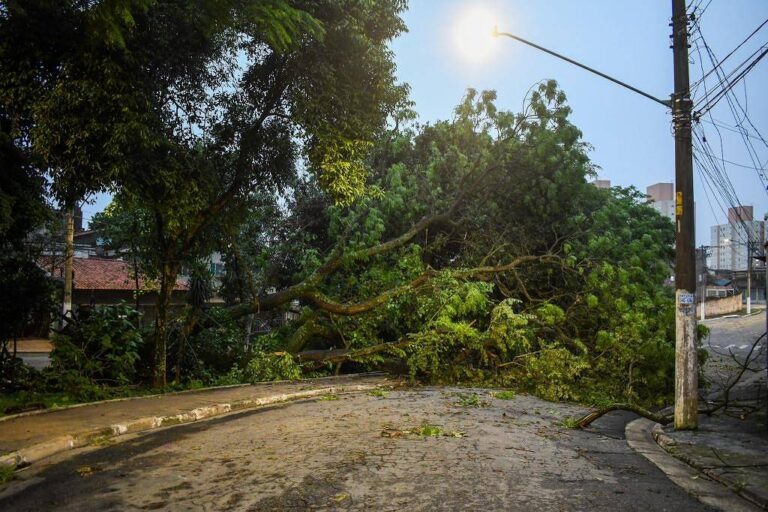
(189,107)
(487,254)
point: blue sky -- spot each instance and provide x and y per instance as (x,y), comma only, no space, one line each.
(631,135)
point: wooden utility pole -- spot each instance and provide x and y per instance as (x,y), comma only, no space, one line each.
(686,361)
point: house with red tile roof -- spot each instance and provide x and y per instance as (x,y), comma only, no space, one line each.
(102,281)
(97,282)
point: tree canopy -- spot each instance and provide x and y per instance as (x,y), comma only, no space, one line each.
(483,253)
(473,249)
(188,108)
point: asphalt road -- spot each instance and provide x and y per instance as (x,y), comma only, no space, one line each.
(730,342)
(359,452)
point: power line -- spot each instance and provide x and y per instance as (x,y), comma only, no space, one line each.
(719,184)
(725,186)
(726,88)
(723,78)
(701,175)
(734,129)
(733,103)
(696,7)
(731,53)
(760,169)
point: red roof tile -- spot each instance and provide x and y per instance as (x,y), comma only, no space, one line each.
(105,274)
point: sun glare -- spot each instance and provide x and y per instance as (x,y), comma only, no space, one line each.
(474,34)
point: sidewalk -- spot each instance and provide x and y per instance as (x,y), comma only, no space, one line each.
(728,450)
(26,439)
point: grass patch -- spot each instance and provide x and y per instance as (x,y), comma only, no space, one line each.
(424,430)
(377,392)
(569,422)
(427,431)
(470,400)
(24,401)
(6,473)
(506,394)
(328,398)
(103,441)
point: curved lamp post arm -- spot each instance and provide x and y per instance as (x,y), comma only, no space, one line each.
(666,103)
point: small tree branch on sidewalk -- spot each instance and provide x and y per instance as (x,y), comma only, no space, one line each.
(586,420)
(743,368)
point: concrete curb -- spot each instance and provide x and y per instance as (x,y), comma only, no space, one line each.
(172,393)
(111,400)
(668,444)
(646,438)
(37,452)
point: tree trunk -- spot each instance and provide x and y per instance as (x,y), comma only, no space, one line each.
(186,332)
(340,355)
(13,363)
(248,333)
(167,283)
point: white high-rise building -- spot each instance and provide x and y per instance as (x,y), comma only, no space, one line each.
(729,249)
(662,196)
(604,184)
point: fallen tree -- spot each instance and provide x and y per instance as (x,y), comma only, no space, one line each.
(482,258)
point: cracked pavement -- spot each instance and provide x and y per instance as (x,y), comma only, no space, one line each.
(336,455)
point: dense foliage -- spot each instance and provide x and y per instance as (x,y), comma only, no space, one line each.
(100,349)
(471,250)
(518,271)
(188,108)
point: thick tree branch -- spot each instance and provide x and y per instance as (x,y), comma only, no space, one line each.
(586,420)
(340,355)
(336,258)
(308,292)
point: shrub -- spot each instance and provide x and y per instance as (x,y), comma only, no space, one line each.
(263,367)
(101,348)
(273,366)
(15,375)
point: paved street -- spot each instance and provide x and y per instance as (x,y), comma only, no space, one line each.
(730,446)
(363,452)
(735,336)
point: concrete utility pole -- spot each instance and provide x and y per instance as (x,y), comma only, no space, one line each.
(702,285)
(66,307)
(749,274)
(686,359)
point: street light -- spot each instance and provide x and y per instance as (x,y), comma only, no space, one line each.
(496,33)
(686,357)
(470,33)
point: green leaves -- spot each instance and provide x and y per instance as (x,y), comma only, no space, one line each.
(342,172)
(100,349)
(283,26)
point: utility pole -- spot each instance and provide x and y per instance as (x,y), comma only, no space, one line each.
(749,274)
(702,285)
(69,251)
(765,260)
(686,358)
